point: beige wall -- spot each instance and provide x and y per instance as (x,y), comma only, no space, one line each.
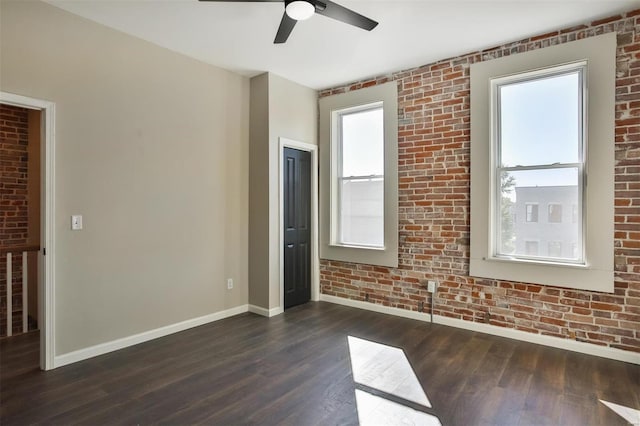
(152,148)
(292,113)
(259,192)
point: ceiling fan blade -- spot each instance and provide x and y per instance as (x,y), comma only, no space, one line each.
(285,28)
(342,14)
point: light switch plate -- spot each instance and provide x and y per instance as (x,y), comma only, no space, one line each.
(76,222)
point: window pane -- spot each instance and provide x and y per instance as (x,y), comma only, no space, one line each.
(555,249)
(362,143)
(531,248)
(532,212)
(540,121)
(555,213)
(362,212)
(521,224)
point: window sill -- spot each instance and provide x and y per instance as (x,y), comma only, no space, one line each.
(516,260)
(559,275)
(359,247)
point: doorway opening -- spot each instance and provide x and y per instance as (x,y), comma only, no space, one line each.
(26,210)
(19,219)
(299,265)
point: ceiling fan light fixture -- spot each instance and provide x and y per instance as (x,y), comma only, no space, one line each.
(300,10)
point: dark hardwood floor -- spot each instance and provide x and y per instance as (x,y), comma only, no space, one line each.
(295,369)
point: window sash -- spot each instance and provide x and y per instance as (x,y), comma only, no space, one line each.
(498,169)
(340,236)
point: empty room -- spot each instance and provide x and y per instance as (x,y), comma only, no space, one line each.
(314,212)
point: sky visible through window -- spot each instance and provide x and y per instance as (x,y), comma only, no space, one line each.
(363,143)
(539,124)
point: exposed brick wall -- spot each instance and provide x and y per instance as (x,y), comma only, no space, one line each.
(434,206)
(14,141)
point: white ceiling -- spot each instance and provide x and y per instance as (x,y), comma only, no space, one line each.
(321,52)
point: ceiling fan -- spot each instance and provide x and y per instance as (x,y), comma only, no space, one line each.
(300,10)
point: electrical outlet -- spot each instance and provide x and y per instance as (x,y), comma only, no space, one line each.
(229,283)
(431,286)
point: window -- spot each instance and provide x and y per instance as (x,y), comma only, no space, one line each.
(555,213)
(554,249)
(531,248)
(532,212)
(359,176)
(534,116)
(538,124)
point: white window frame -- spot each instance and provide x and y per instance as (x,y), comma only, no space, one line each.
(387,95)
(496,147)
(337,179)
(596,272)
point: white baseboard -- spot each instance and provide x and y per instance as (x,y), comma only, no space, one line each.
(124,342)
(540,339)
(265,312)
(420,316)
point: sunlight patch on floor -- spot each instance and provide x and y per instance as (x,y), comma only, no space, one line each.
(386,369)
(374,410)
(387,389)
(629,414)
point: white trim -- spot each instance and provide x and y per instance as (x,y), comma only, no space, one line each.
(145,336)
(25,292)
(265,312)
(46,286)
(420,316)
(9,294)
(495,250)
(315,261)
(337,179)
(540,339)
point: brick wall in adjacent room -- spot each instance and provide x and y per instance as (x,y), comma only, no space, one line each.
(13,204)
(434,205)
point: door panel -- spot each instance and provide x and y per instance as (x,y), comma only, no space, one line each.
(297,226)
(289,269)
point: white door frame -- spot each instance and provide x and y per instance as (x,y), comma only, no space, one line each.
(315,261)
(46,280)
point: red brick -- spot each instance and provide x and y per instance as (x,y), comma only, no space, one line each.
(13,201)
(605,306)
(434,207)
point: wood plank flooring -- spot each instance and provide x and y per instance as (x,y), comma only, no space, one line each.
(294,369)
